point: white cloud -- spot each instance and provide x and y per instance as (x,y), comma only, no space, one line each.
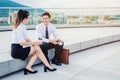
(51,4)
(69,3)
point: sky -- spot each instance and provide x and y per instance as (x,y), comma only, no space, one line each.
(69,3)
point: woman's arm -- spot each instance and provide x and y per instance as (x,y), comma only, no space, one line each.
(28,42)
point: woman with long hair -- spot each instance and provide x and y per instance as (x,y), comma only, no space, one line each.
(22,46)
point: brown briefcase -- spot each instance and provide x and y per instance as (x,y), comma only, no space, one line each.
(64,57)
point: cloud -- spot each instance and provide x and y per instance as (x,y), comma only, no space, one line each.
(69,3)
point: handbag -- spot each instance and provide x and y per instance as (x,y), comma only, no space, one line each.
(64,57)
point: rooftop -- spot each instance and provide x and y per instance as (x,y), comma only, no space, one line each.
(100,63)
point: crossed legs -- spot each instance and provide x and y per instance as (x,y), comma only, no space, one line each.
(35,53)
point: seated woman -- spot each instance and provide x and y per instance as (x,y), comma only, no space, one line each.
(22,46)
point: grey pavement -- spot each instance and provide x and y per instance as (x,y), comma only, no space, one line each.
(99,63)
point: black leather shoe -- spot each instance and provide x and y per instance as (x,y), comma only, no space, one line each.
(46,68)
(28,71)
(56,63)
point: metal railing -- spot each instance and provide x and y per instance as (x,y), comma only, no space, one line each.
(63,16)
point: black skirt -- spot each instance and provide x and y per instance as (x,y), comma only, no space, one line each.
(19,52)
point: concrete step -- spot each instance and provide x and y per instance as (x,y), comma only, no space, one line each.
(72,41)
(10,65)
(98,63)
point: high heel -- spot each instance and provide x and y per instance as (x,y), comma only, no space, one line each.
(31,72)
(46,68)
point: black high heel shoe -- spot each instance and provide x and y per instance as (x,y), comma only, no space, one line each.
(31,72)
(46,68)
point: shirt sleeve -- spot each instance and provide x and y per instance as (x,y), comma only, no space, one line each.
(25,33)
(55,33)
(39,34)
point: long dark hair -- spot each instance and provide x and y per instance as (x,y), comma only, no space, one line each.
(22,14)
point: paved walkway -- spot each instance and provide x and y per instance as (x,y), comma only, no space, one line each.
(70,36)
(100,63)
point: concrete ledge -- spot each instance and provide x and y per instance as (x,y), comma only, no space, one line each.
(88,44)
(4,68)
(104,40)
(15,65)
(73,47)
(9,65)
(116,37)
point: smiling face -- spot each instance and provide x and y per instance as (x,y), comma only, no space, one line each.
(46,19)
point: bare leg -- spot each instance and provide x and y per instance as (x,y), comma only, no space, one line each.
(33,58)
(31,62)
(41,56)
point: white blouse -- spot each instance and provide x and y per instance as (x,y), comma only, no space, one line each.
(20,34)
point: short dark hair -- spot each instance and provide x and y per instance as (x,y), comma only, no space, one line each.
(46,13)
